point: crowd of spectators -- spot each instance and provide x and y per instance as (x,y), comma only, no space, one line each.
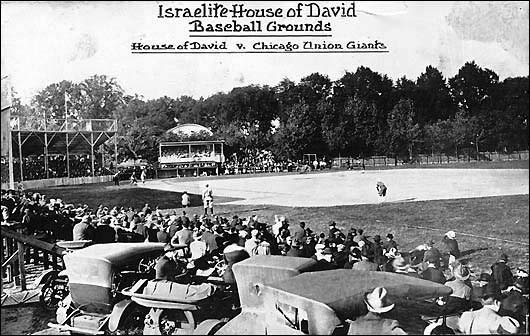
(238,238)
(33,167)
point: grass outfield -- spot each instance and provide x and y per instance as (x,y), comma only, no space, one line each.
(502,219)
(516,164)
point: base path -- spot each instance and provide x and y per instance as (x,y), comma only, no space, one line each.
(357,187)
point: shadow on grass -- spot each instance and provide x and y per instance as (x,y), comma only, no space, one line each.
(125,195)
(471,251)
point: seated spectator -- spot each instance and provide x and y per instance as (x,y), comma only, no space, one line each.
(296,249)
(373,323)
(501,273)
(432,271)
(251,245)
(389,243)
(460,298)
(433,254)
(486,320)
(83,230)
(515,301)
(400,266)
(365,265)
(353,257)
(104,233)
(232,253)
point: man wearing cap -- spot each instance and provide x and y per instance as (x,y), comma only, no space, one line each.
(389,243)
(501,273)
(373,323)
(487,320)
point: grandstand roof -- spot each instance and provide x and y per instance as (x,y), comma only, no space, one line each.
(189,129)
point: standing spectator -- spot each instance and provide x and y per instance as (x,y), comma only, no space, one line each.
(373,323)
(133,178)
(104,233)
(143,175)
(83,230)
(116,178)
(185,199)
(501,273)
(451,245)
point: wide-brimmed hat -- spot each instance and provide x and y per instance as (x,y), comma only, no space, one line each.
(377,301)
(461,272)
(450,234)
(400,264)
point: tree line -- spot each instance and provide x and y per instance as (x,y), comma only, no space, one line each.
(361,114)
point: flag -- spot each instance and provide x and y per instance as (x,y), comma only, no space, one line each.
(6,115)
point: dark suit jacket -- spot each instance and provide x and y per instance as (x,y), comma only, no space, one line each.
(433,274)
(104,234)
(502,275)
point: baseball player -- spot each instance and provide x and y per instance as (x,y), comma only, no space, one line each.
(381,190)
(207,199)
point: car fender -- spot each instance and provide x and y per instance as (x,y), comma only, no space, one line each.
(44,276)
(117,313)
(208,327)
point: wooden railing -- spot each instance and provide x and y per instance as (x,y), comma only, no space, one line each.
(16,253)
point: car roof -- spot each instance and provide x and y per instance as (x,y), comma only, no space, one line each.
(276,262)
(341,289)
(116,253)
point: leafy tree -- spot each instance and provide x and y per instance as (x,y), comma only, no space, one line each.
(432,98)
(403,131)
(473,87)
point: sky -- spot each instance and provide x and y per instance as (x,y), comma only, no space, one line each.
(47,42)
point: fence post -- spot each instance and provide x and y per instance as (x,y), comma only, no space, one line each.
(22,268)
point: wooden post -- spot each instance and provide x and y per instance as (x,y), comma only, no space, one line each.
(21,265)
(20,156)
(67,155)
(46,154)
(92,152)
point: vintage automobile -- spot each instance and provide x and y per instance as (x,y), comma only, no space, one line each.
(176,308)
(96,274)
(284,296)
(281,295)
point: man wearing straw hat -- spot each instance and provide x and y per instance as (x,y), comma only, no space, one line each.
(373,323)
